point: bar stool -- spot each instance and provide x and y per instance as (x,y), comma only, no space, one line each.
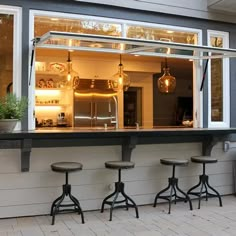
(119,189)
(66,167)
(173,184)
(204,180)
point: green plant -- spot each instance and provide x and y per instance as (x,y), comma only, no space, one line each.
(12,107)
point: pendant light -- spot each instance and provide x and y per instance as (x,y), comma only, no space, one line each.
(70,75)
(166,83)
(120,80)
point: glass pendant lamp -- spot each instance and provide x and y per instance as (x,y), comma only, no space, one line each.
(166,83)
(120,80)
(71,77)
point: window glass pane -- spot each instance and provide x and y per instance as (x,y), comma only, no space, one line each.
(216,83)
(6,53)
(150,33)
(43,24)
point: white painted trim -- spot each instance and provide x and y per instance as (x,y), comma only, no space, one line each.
(17,48)
(31,91)
(226,83)
(197,96)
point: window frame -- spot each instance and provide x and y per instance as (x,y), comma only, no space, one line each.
(225,123)
(197,64)
(17,45)
(17,49)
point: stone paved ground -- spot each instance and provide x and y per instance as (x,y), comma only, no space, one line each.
(209,220)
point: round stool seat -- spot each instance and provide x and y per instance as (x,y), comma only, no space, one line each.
(203,159)
(173,161)
(119,164)
(66,166)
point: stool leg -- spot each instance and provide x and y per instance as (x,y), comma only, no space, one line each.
(200,196)
(170,200)
(113,204)
(106,198)
(54,203)
(195,186)
(77,204)
(56,208)
(186,196)
(132,201)
(158,194)
(217,193)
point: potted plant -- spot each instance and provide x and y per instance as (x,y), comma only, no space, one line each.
(12,109)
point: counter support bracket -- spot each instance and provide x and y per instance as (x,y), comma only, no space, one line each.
(210,142)
(127,147)
(26,146)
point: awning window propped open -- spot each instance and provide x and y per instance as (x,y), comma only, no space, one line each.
(98,43)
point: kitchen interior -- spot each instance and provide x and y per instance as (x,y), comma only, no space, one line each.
(90,98)
(92,102)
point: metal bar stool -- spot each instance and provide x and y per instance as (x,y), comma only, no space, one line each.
(204,181)
(66,167)
(173,184)
(119,189)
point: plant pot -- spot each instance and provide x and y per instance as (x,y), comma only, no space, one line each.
(7,125)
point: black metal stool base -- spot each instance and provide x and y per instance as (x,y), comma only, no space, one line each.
(173,187)
(204,193)
(57,204)
(119,189)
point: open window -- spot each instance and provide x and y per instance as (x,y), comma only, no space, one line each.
(105,39)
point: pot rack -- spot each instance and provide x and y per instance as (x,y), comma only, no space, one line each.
(109,44)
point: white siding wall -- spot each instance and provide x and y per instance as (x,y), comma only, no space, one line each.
(32,193)
(190,8)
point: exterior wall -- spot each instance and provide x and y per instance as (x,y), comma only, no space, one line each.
(192,8)
(32,193)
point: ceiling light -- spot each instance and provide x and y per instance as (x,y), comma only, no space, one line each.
(166,83)
(121,80)
(71,76)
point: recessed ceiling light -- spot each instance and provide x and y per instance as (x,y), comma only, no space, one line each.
(136,55)
(54,19)
(170,31)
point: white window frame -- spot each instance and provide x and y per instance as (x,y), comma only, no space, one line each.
(17,47)
(226,83)
(197,65)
